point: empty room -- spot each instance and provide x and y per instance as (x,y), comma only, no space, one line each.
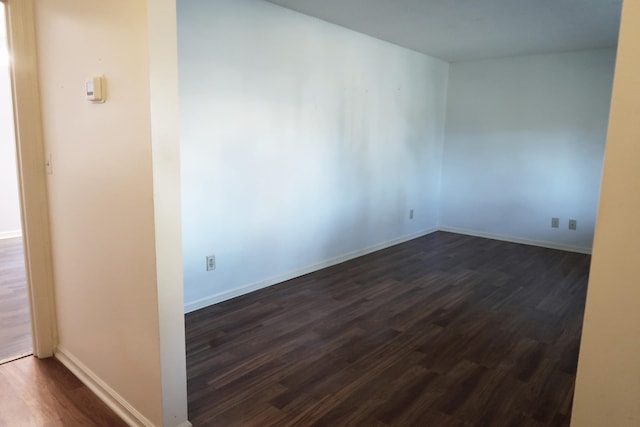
(388,208)
(333,213)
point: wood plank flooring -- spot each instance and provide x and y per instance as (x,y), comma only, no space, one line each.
(15,320)
(43,392)
(444,330)
(36,392)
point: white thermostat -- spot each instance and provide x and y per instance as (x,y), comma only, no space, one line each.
(94,90)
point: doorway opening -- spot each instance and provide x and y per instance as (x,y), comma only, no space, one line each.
(15,319)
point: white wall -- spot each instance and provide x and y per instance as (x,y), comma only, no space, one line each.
(301,142)
(165,139)
(117,277)
(9,200)
(608,381)
(524,143)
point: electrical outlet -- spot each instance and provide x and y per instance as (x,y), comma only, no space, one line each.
(211,262)
(555,222)
(573,224)
(411,214)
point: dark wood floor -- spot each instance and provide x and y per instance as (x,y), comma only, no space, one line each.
(15,321)
(445,330)
(37,392)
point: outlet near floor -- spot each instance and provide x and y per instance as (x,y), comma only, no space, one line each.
(211,262)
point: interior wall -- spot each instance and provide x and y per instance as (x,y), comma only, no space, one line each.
(524,143)
(101,194)
(165,141)
(302,143)
(607,384)
(9,198)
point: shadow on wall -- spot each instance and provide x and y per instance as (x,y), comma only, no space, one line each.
(524,143)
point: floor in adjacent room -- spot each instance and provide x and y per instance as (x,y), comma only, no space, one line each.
(444,330)
(15,320)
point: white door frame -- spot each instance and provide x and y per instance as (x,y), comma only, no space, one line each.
(32,174)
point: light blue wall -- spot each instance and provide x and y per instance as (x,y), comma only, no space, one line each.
(524,143)
(302,144)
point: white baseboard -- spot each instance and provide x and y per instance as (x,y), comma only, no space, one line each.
(10,234)
(513,239)
(226,295)
(105,393)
